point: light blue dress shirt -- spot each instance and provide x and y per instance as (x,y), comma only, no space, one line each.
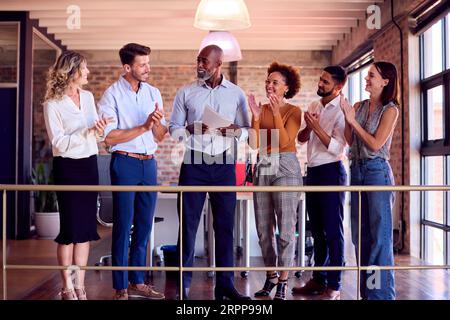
(227,99)
(130,109)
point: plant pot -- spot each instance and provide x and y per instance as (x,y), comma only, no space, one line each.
(47,224)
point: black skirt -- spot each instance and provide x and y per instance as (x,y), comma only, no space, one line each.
(77,209)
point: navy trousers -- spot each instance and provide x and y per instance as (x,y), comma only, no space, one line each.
(131,208)
(223,205)
(326,214)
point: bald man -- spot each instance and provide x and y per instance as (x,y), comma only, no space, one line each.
(209,160)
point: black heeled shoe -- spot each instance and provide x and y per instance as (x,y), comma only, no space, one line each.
(229,294)
(281,290)
(267,288)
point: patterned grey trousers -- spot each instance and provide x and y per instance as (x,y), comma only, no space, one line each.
(277,209)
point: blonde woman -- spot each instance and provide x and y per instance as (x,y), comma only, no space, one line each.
(73,128)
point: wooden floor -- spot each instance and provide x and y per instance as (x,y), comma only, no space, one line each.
(45,285)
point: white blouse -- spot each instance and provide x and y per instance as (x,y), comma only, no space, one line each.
(67,126)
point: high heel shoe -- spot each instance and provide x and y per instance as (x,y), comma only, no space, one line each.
(229,294)
(81,293)
(68,294)
(267,288)
(281,290)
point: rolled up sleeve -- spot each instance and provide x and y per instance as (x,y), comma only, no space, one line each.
(242,117)
(178,118)
(107,109)
(337,142)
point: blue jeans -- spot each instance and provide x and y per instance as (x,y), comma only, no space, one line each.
(131,208)
(376,227)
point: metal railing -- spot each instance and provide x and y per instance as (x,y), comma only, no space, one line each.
(181,190)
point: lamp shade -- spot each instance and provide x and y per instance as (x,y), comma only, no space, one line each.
(226,41)
(222,15)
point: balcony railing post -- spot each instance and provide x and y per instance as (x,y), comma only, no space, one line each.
(358,291)
(4,246)
(180,289)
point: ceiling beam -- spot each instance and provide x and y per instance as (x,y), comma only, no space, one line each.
(287,21)
(119,5)
(160,14)
(191,35)
(282,47)
(194,43)
(62,30)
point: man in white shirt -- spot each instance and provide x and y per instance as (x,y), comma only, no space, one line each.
(209,160)
(324,133)
(138,120)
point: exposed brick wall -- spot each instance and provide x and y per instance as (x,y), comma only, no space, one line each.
(170,70)
(8,74)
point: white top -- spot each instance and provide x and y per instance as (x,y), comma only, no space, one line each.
(227,99)
(332,121)
(67,126)
(130,109)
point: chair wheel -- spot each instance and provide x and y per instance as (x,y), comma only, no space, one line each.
(244,274)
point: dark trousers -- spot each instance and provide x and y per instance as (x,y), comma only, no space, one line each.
(131,208)
(326,214)
(223,206)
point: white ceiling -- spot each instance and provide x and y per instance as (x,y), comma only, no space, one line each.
(168,24)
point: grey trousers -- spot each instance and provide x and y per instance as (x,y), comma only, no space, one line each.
(277,209)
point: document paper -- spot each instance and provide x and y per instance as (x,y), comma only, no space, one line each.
(213,119)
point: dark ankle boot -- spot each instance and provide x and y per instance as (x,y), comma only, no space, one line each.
(281,290)
(229,294)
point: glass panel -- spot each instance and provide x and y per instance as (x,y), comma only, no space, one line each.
(345,89)
(355,86)
(8,52)
(44,56)
(448,40)
(434,200)
(435,114)
(364,93)
(432,46)
(434,245)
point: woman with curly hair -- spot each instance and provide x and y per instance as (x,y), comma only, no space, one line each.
(275,126)
(73,128)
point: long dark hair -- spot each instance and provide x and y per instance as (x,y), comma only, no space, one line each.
(391,92)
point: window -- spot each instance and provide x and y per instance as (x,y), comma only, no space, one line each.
(435,149)
(355,88)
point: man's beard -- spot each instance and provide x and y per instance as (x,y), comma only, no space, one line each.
(139,77)
(203,75)
(324,94)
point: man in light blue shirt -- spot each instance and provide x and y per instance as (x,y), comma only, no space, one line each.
(209,160)
(138,120)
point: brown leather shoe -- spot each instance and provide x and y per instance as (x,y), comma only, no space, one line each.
(310,288)
(120,295)
(144,291)
(330,294)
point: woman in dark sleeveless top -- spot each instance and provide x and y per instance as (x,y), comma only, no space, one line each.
(368,130)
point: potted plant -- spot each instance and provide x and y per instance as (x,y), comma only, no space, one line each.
(46,215)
